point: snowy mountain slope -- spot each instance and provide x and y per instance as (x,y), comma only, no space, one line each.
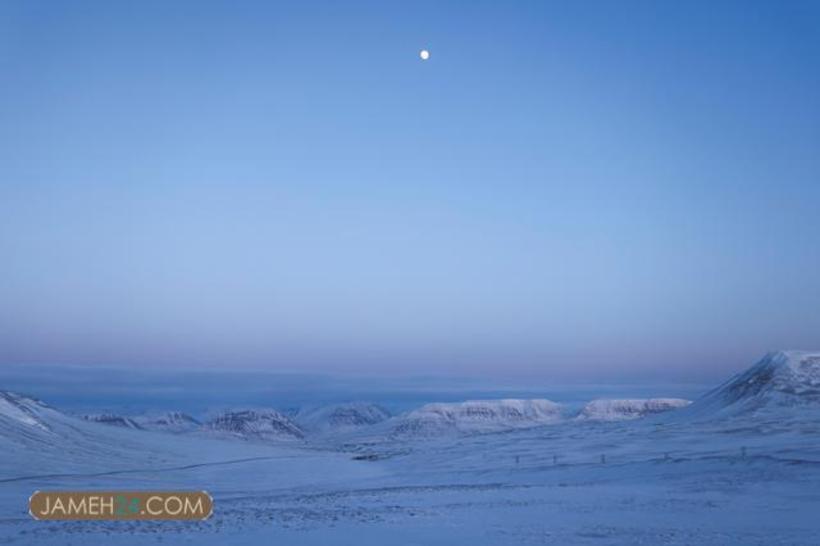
(37,436)
(39,440)
(341,417)
(478,416)
(780,379)
(623,409)
(264,424)
(22,410)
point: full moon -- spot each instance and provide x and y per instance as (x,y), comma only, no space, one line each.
(424,54)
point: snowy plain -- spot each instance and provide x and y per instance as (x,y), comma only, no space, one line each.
(740,465)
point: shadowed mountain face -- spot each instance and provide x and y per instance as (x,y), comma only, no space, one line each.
(265,424)
(113,420)
(172,421)
(341,417)
(356,416)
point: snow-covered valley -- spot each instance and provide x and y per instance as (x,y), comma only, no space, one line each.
(740,465)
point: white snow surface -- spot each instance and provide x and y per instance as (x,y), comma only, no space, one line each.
(744,478)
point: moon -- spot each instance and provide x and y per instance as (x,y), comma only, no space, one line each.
(424,54)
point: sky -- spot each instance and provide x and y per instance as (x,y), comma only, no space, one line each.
(564,190)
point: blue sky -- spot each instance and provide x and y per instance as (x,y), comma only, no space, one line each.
(564,190)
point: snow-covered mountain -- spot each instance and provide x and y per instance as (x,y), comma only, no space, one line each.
(782,378)
(624,409)
(172,421)
(341,417)
(113,420)
(478,416)
(264,424)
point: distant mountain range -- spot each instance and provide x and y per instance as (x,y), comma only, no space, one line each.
(619,410)
(781,379)
(259,424)
(267,424)
(112,419)
(478,416)
(341,417)
(172,421)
